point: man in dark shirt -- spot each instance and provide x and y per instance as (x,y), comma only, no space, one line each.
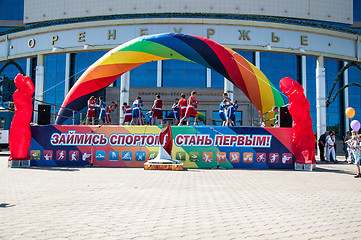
(322,144)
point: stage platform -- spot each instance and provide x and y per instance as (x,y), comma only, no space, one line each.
(132,146)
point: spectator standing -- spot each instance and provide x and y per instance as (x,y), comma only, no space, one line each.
(322,145)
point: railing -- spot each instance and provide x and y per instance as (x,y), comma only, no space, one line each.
(56,108)
(264,122)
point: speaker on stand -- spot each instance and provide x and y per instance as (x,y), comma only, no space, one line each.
(43,114)
(285,118)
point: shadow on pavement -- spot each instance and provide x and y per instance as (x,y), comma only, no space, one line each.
(60,169)
(6,205)
(320,169)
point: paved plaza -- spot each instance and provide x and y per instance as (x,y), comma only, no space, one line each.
(119,203)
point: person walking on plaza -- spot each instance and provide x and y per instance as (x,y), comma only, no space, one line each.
(346,149)
(157,110)
(222,109)
(322,145)
(175,109)
(136,111)
(127,111)
(182,105)
(331,154)
(102,106)
(191,109)
(91,110)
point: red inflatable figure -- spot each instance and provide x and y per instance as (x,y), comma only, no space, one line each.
(303,136)
(166,138)
(20,134)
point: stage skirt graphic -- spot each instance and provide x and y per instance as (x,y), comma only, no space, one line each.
(132,146)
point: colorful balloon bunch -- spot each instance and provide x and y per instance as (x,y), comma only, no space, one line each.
(355,125)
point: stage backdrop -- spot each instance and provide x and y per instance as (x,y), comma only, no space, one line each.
(131,146)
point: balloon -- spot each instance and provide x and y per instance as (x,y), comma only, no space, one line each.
(253,83)
(20,133)
(355,125)
(303,137)
(350,112)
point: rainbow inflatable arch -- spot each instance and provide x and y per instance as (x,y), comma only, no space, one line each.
(254,84)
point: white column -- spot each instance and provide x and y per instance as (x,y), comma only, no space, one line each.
(67,74)
(304,74)
(257,59)
(124,94)
(320,96)
(209,77)
(39,85)
(346,97)
(28,67)
(159,73)
(228,88)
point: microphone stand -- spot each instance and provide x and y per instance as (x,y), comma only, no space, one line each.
(92,146)
(217,167)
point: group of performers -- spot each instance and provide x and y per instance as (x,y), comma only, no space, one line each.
(104,111)
(182,110)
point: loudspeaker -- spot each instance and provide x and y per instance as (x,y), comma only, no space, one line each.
(285,117)
(43,114)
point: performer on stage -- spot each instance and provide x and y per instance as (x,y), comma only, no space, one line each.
(230,109)
(127,110)
(331,154)
(91,110)
(175,109)
(102,106)
(233,117)
(157,110)
(191,109)
(222,109)
(136,111)
(183,105)
(150,117)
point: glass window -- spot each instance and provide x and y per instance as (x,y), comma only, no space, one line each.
(277,66)
(144,75)
(311,88)
(8,75)
(334,120)
(11,9)
(178,73)
(354,76)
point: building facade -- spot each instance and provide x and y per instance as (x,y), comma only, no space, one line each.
(309,41)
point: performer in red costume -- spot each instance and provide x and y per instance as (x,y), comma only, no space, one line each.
(191,109)
(303,136)
(127,110)
(110,108)
(91,110)
(183,105)
(157,109)
(20,134)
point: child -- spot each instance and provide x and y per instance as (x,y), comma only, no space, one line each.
(127,110)
(136,111)
(101,105)
(157,109)
(230,109)
(233,117)
(175,109)
(91,110)
(182,105)
(191,109)
(331,154)
(222,108)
